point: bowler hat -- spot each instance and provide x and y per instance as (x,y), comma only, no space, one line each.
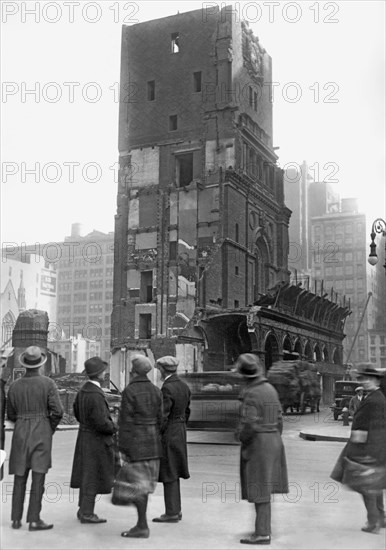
(359,388)
(141,364)
(94,366)
(365,369)
(249,365)
(169,363)
(32,357)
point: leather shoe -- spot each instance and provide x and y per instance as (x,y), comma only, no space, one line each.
(168,519)
(92,518)
(383,523)
(256,539)
(39,526)
(16,524)
(374,529)
(79,514)
(137,533)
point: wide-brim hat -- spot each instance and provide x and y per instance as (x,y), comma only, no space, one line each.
(363,371)
(168,362)
(32,358)
(248,365)
(141,364)
(94,366)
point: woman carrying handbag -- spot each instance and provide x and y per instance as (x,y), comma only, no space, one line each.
(362,463)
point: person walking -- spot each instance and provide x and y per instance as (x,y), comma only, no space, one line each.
(33,403)
(263,467)
(93,464)
(367,444)
(139,440)
(355,401)
(174,462)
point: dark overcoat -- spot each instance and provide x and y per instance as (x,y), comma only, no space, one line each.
(33,403)
(263,467)
(176,405)
(368,434)
(93,463)
(140,420)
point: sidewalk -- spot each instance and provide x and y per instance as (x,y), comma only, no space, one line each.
(326,432)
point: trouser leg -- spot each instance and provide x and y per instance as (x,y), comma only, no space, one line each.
(263,518)
(87,496)
(172,497)
(18,495)
(371,502)
(35,497)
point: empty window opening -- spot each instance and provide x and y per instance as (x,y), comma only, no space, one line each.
(237,232)
(146,292)
(250,96)
(145,325)
(237,304)
(184,169)
(172,123)
(197,81)
(175,39)
(255,100)
(151,90)
(236,270)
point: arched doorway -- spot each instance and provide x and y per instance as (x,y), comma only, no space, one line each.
(271,349)
(308,352)
(287,349)
(298,347)
(317,353)
(326,356)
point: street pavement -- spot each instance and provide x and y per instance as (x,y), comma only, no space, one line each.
(317,514)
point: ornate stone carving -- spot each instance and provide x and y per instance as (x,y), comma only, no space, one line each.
(253,55)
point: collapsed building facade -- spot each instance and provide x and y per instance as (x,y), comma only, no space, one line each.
(201,230)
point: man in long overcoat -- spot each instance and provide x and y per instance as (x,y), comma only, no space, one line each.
(367,443)
(263,468)
(93,465)
(33,403)
(174,462)
(140,421)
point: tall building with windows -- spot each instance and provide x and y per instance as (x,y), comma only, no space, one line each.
(339,263)
(201,230)
(85,268)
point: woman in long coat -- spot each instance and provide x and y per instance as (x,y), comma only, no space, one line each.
(140,421)
(93,465)
(263,468)
(367,444)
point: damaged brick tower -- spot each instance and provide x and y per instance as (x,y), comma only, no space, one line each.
(201,223)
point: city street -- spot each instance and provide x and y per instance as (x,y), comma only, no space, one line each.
(317,514)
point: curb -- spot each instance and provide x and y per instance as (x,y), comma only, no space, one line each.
(323,437)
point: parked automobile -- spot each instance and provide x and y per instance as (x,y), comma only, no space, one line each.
(344,391)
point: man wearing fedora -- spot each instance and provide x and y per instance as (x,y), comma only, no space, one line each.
(33,403)
(93,464)
(174,462)
(367,443)
(263,467)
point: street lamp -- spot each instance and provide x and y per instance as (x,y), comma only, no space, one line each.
(379,226)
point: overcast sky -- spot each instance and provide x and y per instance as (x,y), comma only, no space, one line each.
(329,109)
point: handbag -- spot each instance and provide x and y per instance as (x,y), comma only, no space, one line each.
(363,477)
(123,493)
